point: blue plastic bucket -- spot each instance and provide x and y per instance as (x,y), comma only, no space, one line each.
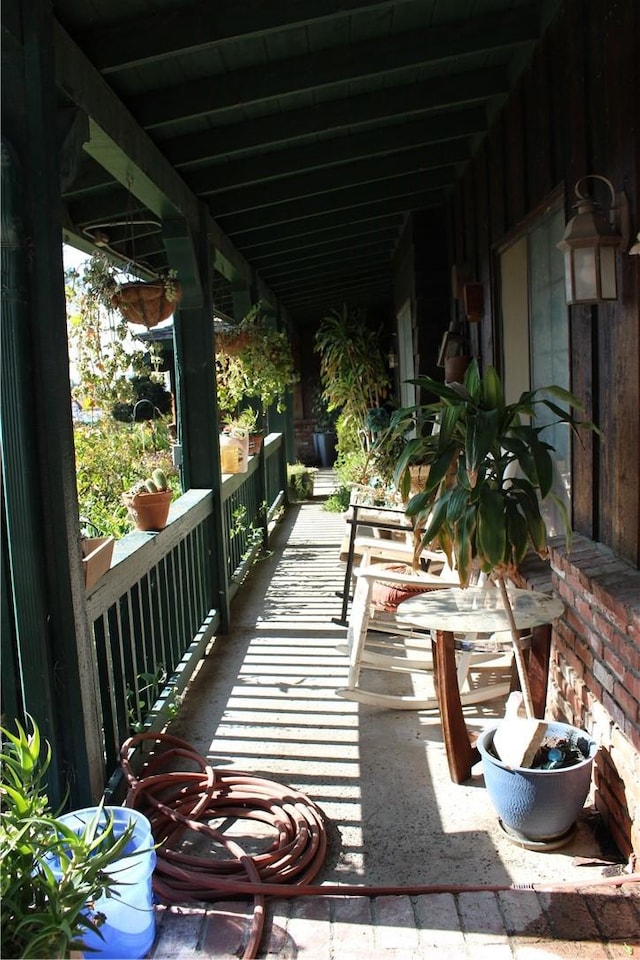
(129,930)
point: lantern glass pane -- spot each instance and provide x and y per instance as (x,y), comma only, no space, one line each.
(568,276)
(608,273)
(584,265)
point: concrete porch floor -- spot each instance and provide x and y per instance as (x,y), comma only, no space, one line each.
(264,701)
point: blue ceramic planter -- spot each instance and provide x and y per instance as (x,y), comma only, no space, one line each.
(537,805)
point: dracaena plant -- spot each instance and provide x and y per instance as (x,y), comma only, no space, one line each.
(490,470)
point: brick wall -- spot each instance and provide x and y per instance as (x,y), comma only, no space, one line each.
(595,671)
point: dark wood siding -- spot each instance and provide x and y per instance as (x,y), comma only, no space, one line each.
(574,112)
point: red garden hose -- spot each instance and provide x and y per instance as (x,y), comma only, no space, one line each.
(179,802)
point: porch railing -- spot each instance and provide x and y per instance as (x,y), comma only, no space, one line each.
(158,606)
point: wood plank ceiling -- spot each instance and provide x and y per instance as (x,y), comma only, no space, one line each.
(309,128)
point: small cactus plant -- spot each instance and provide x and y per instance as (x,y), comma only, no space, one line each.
(149,497)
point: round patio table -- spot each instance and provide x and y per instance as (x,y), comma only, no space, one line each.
(475,610)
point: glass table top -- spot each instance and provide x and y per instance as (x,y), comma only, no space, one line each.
(478,609)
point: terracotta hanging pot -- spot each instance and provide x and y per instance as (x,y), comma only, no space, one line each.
(231,342)
(145,303)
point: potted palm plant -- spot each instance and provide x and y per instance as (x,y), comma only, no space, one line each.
(490,468)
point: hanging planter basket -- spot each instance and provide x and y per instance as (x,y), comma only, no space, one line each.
(146,304)
(232,342)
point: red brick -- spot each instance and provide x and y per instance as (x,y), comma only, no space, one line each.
(627,702)
(568,916)
(308,928)
(583,608)
(395,924)
(614,663)
(614,710)
(604,626)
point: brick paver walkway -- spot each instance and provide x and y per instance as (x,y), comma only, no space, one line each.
(601,924)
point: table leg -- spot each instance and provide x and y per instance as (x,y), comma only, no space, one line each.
(461,756)
(538,667)
(537,658)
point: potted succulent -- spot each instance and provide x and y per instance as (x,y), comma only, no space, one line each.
(489,470)
(246,421)
(148,501)
(66,880)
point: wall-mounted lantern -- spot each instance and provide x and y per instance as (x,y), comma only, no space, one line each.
(590,243)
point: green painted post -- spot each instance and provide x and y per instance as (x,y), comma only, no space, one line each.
(51,624)
(197,406)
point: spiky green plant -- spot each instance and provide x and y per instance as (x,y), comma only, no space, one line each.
(490,470)
(46,910)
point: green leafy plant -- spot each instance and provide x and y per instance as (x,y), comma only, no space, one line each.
(102,351)
(46,911)
(253,359)
(489,470)
(353,369)
(141,700)
(338,501)
(247,421)
(110,457)
(300,481)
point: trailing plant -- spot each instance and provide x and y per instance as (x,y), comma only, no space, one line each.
(102,352)
(490,469)
(45,913)
(253,359)
(353,368)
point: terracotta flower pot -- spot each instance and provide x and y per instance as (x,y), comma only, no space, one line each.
(255,444)
(149,511)
(145,303)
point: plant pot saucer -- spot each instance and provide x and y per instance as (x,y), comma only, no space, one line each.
(542,846)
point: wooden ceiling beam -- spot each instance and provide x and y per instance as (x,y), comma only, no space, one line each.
(266,133)
(124,149)
(433,132)
(298,237)
(205,25)
(319,189)
(377,197)
(204,97)
(351,256)
(339,248)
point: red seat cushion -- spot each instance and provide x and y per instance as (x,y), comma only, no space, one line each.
(387,596)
